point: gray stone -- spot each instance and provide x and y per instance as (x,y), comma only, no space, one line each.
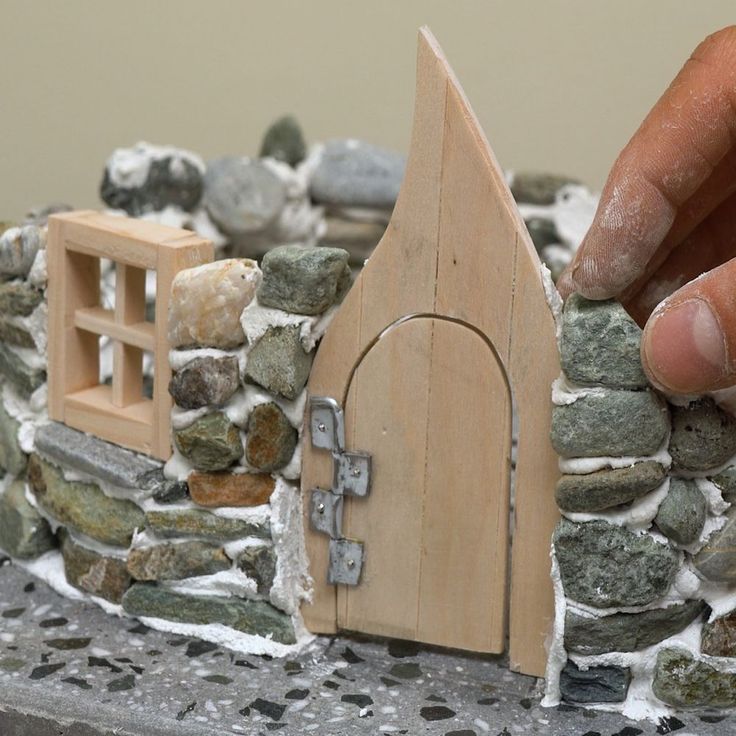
(18,248)
(12,457)
(11,334)
(197,523)
(83,506)
(628,632)
(205,381)
(108,462)
(351,173)
(271,440)
(210,443)
(284,141)
(542,232)
(242,196)
(683,682)
(163,489)
(606,566)
(302,279)
(39,215)
(249,616)
(703,435)
(726,483)
(606,684)
(533,187)
(176,561)
(279,363)
(605,489)
(23,376)
(600,344)
(356,237)
(716,560)
(24,532)
(258,562)
(681,516)
(18,299)
(614,423)
(718,638)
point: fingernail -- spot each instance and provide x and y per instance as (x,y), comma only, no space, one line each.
(684,349)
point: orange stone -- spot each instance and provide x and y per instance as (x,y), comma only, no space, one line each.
(229,489)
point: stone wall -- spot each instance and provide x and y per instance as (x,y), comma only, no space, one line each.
(644,560)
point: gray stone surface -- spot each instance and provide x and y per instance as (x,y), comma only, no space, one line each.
(284,141)
(726,483)
(605,489)
(302,279)
(614,423)
(594,685)
(534,187)
(271,440)
(18,248)
(681,516)
(248,616)
(19,299)
(197,523)
(628,632)
(606,566)
(163,489)
(14,335)
(279,363)
(542,231)
(241,195)
(176,561)
(356,174)
(703,435)
(716,561)
(210,443)
(718,638)
(12,457)
(207,381)
(600,344)
(25,378)
(87,454)
(39,215)
(258,562)
(24,533)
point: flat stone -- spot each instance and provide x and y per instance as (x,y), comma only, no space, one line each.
(271,440)
(176,561)
(100,575)
(716,560)
(606,566)
(681,516)
(24,533)
(718,638)
(284,141)
(206,381)
(352,173)
(542,231)
(212,442)
(258,562)
(242,196)
(358,238)
(230,489)
(196,523)
(12,457)
(249,616)
(605,489)
(103,460)
(703,435)
(83,506)
(726,483)
(683,682)
(13,335)
(18,248)
(302,279)
(600,344)
(613,423)
(628,632)
(18,299)
(207,301)
(279,363)
(24,377)
(532,187)
(606,684)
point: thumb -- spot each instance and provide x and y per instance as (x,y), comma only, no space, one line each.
(689,342)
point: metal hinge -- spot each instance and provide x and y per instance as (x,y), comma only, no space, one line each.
(351,477)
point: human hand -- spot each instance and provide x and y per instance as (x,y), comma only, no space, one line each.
(667,214)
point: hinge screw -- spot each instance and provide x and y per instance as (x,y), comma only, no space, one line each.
(321,508)
(321,427)
(351,564)
(356,473)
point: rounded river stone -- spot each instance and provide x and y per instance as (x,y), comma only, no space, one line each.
(206,381)
(703,435)
(284,141)
(681,516)
(533,187)
(610,423)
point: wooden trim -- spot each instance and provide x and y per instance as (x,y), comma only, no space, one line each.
(101,321)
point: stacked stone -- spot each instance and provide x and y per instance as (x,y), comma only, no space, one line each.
(644,544)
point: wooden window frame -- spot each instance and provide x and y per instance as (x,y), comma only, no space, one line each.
(118,413)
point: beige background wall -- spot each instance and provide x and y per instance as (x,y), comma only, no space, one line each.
(557,85)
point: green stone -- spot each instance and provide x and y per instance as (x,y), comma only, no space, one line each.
(14,335)
(83,506)
(12,458)
(532,187)
(303,279)
(683,682)
(627,632)
(176,561)
(284,141)
(258,562)
(600,344)
(210,443)
(249,616)
(703,435)
(18,372)
(278,362)
(605,489)
(681,516)
(606,566)
(716,561)
(24,533)
(196,523)
(726,483)
(18,298)
(718,638)
(613,423)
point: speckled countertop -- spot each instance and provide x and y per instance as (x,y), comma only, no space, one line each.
(67,669)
